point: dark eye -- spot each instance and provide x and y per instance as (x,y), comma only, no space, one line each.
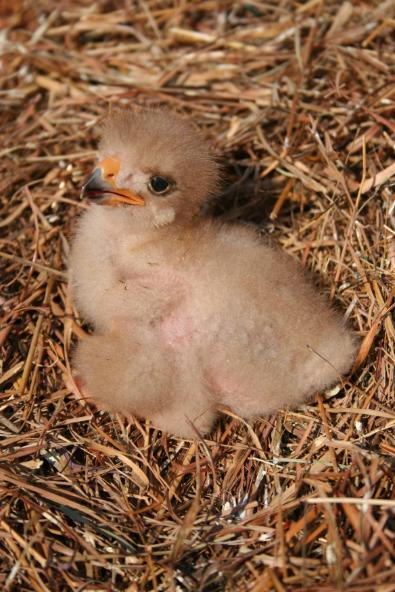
(158,184)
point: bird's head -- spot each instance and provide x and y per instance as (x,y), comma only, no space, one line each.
(154,163)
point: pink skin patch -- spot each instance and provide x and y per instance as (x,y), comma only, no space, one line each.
(78,386)
(222,386)
(230,392)
(176,329)
(81,386)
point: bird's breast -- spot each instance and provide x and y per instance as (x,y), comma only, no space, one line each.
(176,330)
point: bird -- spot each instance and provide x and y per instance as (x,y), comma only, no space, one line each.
(190,314)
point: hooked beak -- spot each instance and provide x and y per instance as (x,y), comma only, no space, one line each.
(101,188)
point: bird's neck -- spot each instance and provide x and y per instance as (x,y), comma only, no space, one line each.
(122,222)
(128,229)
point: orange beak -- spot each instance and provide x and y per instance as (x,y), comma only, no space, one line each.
(101,188)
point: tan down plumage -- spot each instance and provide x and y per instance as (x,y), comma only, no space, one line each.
(188,312)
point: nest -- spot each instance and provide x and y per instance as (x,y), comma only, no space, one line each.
(299,98)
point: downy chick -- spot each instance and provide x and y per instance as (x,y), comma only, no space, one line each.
(188,312)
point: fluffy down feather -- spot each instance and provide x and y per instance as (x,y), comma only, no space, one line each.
(190,313)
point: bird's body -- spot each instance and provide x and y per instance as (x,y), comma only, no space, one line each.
(191,313)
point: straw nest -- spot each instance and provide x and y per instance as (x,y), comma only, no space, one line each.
(299,97)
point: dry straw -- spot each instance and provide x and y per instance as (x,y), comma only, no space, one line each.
(300,97)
